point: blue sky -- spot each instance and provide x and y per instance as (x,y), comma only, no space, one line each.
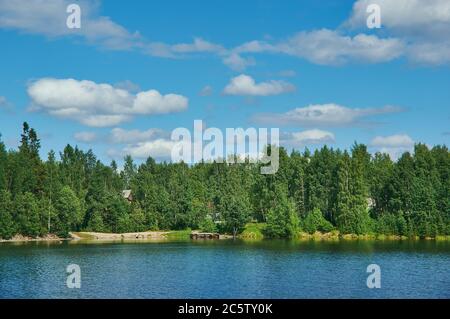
(311,68)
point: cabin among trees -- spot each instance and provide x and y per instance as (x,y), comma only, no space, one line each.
(126,193)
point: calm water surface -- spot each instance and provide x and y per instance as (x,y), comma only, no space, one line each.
(226,269)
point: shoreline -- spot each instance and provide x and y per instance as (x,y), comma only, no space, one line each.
(184,235)
(94,236)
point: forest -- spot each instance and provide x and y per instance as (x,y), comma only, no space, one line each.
(352,192)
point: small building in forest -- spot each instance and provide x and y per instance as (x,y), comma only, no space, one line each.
(126,193)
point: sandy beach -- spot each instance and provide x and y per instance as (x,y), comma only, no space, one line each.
(115,236)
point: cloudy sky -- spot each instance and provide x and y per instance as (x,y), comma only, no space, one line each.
(136,70)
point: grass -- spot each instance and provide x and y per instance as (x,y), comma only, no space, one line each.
(84,235)
(179,234)
(253,231)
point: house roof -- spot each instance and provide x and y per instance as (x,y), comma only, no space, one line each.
(126,193)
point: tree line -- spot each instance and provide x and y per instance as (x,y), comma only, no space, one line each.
(330,189)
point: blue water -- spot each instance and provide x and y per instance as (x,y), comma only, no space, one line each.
(226,269)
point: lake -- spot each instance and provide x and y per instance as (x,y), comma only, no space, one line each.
(226,269)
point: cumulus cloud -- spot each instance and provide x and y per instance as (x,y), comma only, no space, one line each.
(246,85)
(422,25)
(140,144)
(159,149)
(309,137)
(394,145)
(329,47)
(332,115)
(85,137)
(98,105)
(393,141)
(121,136)
(49,18)
(405,14)
(414,29)
(129,86)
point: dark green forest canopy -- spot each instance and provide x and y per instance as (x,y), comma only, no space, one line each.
(353,192)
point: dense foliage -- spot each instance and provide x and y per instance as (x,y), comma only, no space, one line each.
(329,189)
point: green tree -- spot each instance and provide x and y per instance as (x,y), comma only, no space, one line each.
(68,209)
(233,203)
(282,219)
(3,165)
(7,227)
(27,215)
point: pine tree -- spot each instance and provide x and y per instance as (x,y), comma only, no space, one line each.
(342,197)
(3,165)
(7,226)
(282,219)
(27,215)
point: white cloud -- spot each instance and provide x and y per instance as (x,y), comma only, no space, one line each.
(238,63)
(246,85)
(153,142)
(98,105)
(206,91)
(309,137)
(404,14)
(6,105)
(128,85)
(152,102)
(400,140)
(329,47)
(433,53)
(121,136)
(97,120)
(160,149)
(394,145)
(422,25)
(415,29)
(49,18)
(333,115)
(198,45)
(85,137)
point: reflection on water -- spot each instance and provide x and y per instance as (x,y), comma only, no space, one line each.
(226,269)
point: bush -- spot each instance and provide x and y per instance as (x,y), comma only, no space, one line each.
(207,225)
(282,221)
(315,221)
(392,224)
